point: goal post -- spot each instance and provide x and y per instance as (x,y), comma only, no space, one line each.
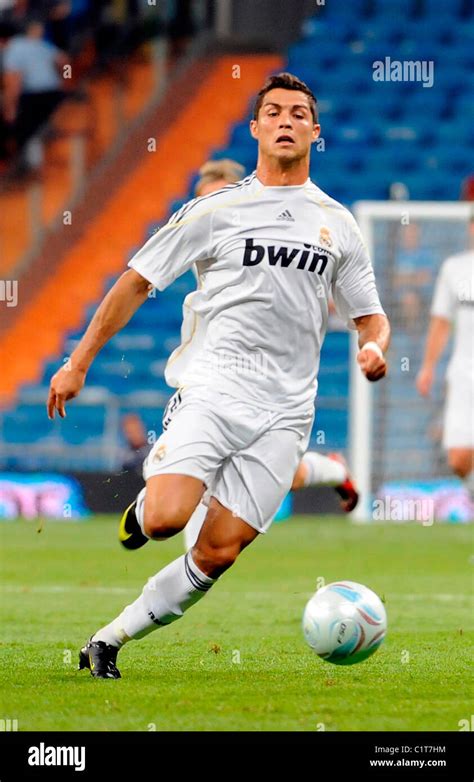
(394,434)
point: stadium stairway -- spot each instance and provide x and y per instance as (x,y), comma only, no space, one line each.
(59,305)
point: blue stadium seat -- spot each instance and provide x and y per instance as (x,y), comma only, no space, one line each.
(417,129)
(439,8)
(452,79)
(463,108)
(455,132)
(355,133)
(448,159)
(26,424)
(388,9)
(340,158)
(356,9)
(421,103)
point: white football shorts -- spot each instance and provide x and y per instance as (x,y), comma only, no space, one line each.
(245,455)
(458,428)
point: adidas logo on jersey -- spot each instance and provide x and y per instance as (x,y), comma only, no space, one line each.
(284,256)
(286,215)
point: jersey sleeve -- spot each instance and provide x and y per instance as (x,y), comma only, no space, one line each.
(353,287)
(175,247)
(444,299)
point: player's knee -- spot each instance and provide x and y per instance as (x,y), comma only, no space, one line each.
(164,519)
(214,561)
(460,462)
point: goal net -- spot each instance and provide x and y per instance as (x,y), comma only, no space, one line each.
(395,434)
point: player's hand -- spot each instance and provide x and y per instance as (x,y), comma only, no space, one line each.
(372,365)
(424,380)
(65,384)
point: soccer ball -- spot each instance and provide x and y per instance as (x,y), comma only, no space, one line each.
(344,622)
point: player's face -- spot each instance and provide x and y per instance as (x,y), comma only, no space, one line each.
(284,127)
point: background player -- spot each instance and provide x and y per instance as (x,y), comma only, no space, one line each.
(453,307)
(237,435)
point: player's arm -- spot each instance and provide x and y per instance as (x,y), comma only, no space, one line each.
(357,301)
(118,306)
(12,88)
(436,341)
(374,338)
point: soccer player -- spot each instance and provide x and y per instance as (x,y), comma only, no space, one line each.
(268,249)
(453,305)
(314,469)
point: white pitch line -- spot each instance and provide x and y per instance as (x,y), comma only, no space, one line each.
(117,590)
(57,588)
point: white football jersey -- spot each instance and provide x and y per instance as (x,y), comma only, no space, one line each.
(454,300)
(267,259)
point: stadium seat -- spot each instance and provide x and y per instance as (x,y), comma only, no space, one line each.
(390,8)
(439,8)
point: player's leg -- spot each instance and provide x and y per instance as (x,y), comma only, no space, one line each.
(461,461)
(176,470)
(161,509)
(246,493)
(458,429)
(184,460)
(315,469)
(173,590)
(221,539)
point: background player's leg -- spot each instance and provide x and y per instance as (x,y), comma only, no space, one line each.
(461,461)
(179,585)
(318,470)
(315,469)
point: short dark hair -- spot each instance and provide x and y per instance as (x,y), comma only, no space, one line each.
(286,81)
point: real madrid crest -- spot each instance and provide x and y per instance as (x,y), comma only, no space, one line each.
(325,236)
(159,453)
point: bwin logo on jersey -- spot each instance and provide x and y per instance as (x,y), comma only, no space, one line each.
(308,259)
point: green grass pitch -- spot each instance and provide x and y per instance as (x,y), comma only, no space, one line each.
(237,660)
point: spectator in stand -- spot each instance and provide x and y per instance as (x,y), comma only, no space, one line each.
(33,85)
(137,447)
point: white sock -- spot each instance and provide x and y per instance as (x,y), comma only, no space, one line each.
(165,597)
(323,471)
(140,509)
(193,527)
